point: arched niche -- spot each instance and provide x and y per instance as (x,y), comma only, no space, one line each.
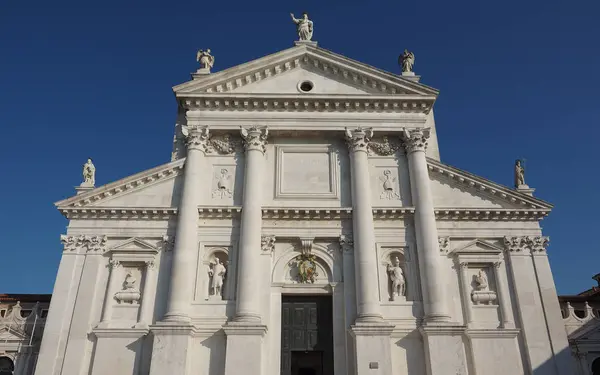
(7,366)
(596,367)
(285,269)
(213,256)
(387,257)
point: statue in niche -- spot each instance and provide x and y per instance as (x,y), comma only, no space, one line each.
(129,283)
(397,278)
(223,185)
(304,26)
(129,293)
(389,191)
(205,59)
(89,174)
(519,174)
(407,61)
(481,281)
(217,273)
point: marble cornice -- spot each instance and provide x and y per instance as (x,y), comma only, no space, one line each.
(313,103)
(490,214)
(117,213)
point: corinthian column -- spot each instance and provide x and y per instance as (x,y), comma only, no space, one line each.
(365,260)
(415,142)
(186,235)
(248,301)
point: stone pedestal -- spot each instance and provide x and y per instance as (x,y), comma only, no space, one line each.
(373,349)
(171,349)
(444,349)
(118,351)
(244,348)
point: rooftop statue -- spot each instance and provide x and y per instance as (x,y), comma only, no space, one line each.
(407,60)
(304,26)
(205,59)
(89,174)
(519,174)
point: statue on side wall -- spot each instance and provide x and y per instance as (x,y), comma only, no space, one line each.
(397,279)
(304,26)
(217,273)
(519,173)
(89,174)
(481,281)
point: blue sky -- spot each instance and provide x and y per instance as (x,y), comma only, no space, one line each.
(517,79)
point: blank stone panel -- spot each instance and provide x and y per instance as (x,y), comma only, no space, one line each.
(306,172)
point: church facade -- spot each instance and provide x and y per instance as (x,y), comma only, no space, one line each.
(305,225)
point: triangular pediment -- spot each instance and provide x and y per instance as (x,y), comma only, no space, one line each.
(588,332)
(134,245)
(9,335)
(454,188)
(150,188)
(478,247)
(280,74)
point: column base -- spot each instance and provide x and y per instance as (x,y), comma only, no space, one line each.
(244,348)
(444,349)
(177,317)
(373,347)
(171,348)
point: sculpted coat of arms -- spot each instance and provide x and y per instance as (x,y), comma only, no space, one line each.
(307,268)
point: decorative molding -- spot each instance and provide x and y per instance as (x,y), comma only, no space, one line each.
(255,138)
(125,213)
(314,103)
(113,263)
(358,139)
(346,243)
(416,140)
(495,214)
(150,264)
(537,244)
(224,144)
(219,212)
(491,188)
(90,243)
(224,185)
(383,147)
(389,186)
(267,243)
(444,244)
(306,244)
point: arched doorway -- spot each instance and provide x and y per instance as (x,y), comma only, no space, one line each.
(596,367)
(6,366)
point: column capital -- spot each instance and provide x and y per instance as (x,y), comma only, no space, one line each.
(416,139)
(255,138)
(196,138)
(346,243)
(358,139)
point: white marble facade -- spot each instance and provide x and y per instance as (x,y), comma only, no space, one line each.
(336,191)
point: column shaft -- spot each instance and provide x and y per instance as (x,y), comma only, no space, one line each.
(186,234)
(248,286)
(503,296)
(147,297)
(365,258)
(110,290)
(464,280)
(432,272)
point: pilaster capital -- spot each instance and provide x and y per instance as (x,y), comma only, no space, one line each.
(346,243)
(196,138)
(514,244)
(255,138)
(535,244)
(358,139)
(150,264)
(415,140)
(167,243)
(267,243)
(444,244)
(113,263)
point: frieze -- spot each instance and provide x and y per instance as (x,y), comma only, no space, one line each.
(383,147)
(89,243)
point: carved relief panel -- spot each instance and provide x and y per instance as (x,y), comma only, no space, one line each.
(390,184)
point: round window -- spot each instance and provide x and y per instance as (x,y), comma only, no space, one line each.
(306,86)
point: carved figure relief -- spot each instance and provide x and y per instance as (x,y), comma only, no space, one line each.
(130,292)
(223,189)
(389,188)
(397,279)
(306,264)
(216,272)
(481,293)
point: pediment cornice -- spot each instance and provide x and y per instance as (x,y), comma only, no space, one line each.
(385,91)
(94,197)
(525,204)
